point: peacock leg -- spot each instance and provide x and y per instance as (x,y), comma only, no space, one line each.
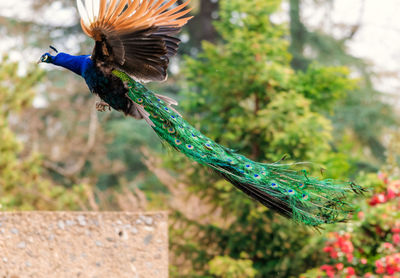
(102,106)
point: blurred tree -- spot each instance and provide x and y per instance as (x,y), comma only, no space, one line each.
(298,34)
(21,183)
(77,144)
(362,115)
(201,27)
(246,96)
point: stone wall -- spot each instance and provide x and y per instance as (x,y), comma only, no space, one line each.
(83,244)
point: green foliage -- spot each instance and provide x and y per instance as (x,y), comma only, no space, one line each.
(16,91)
(324,85)
(361,113)
(21,183)
(244,95)
(226,267)
(287,122)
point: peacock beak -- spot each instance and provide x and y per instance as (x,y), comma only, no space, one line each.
(39,61)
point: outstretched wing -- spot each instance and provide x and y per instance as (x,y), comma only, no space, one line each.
(135,36)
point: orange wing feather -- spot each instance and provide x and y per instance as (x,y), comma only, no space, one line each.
(135,36)
(138,15)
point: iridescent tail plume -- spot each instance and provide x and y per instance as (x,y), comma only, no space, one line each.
(291,193)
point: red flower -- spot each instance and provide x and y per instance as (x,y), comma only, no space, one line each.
(387,245)
(377,199)
(329,270)
(350,271)
(349,257)
(330,274)
(378,264)
(381,198)
(380,270)
(364,261)
(396,238)
(397,258)
(390,194)
(347,247)
(326,267)
(390,270)
(339,266)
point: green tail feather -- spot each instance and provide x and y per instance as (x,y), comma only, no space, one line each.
(290,193)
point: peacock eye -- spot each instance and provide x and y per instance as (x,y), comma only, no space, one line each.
(44,58)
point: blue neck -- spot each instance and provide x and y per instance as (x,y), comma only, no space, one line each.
(77,64)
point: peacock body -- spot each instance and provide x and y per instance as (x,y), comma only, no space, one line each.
(134,41)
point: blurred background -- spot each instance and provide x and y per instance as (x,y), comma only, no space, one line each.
(316,80)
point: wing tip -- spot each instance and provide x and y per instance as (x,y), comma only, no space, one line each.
(141,15)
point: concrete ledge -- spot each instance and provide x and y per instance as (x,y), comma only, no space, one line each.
(83,244)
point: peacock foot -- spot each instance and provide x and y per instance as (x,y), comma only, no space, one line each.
(102,106)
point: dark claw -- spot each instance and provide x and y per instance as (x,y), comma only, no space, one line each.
(102,106)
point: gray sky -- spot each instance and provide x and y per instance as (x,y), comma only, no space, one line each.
(378,40)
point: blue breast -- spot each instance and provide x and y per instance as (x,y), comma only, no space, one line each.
(83,66)
(110,89)
(77,64)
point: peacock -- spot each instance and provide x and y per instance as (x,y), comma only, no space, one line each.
(134,40)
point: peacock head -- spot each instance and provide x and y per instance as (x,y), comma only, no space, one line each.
(47,57)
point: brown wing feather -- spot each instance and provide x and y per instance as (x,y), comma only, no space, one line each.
(136,36)
(143,54)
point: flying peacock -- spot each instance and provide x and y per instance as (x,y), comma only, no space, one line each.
(134,40)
